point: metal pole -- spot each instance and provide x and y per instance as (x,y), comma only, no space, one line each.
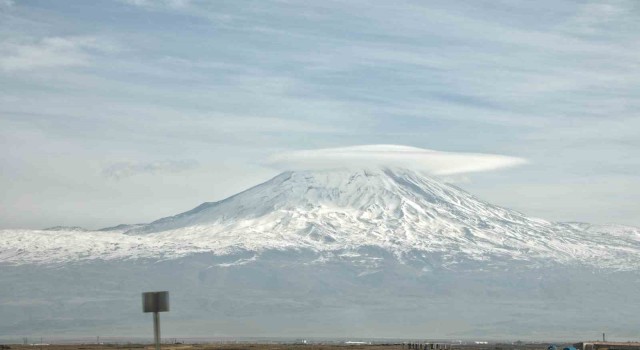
(156,329)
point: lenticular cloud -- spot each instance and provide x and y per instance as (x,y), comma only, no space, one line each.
(430,161)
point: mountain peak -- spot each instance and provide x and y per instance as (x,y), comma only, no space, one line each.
(370,188)
(397,210)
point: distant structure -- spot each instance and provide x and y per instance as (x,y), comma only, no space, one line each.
(601,345)
(427,346)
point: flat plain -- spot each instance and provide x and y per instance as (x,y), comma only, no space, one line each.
(250,346)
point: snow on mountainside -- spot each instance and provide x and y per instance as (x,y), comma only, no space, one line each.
(66,228)
(398,210)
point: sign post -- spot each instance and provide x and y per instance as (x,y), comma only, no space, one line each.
(155,302)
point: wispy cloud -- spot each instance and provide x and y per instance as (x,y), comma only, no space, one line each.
(159,3)
(50,52)
(430,161)
(123,170)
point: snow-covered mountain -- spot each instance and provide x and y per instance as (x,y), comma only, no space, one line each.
(380,252)
(398,210)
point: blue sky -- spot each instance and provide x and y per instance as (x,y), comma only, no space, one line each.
(127,111)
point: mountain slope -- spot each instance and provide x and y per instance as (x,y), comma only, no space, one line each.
(398,210)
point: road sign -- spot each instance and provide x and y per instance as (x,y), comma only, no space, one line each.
(155,302)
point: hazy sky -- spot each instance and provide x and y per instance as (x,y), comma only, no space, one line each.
(126,111)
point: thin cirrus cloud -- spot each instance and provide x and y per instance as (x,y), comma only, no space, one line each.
(158,3)
(51,52)
(429,161)
(121,170)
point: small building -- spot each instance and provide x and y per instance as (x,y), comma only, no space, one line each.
(601,345)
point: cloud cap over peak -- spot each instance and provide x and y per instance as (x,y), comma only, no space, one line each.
(430,161)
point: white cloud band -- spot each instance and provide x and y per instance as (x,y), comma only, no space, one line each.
(430,161)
